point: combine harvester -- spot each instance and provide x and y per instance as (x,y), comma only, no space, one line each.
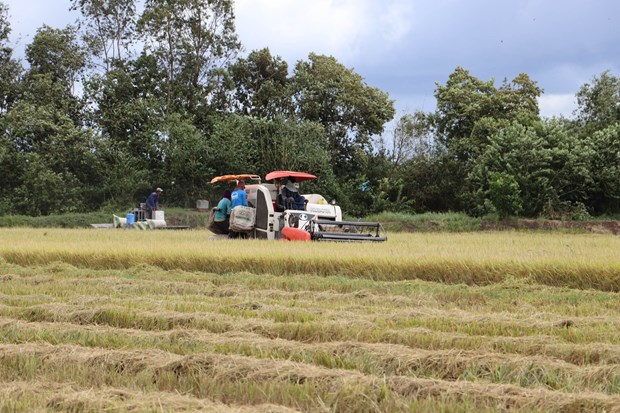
(317,221)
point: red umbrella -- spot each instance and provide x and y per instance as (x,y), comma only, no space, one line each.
(299,176)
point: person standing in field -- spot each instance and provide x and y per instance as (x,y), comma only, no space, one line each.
(152,202)
(238,198)
(222,213)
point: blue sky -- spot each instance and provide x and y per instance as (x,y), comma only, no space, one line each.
(405,46)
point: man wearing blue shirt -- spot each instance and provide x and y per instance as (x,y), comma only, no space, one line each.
(238,198)
(152,203)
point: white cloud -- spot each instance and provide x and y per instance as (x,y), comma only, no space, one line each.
(557,104)
(404,46)
(396,20)
(346,29)
(293,29)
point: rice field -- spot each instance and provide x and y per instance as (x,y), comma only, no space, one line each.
(115,320)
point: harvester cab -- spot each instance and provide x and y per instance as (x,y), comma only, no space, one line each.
(306,217)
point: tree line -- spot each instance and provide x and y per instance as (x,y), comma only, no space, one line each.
(125,100)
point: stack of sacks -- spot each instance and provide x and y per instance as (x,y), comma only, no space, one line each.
(140,225)
(242,219)
(156,223)
(119,222)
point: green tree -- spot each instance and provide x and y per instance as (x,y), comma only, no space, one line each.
(10,72)
(599,102)
(604,194)
(109,27)
(191,39)
(59,171)
(597,124)
(11,171)
(412,137)
(326,92)
(57,53)
(261,85)
(57,61)
(52,151)
(5,27)
(433,182)
(504,194)
(242,144)
(186,162)
(470,110)
(129,116)
(130,108)
(549,164)
(10,69)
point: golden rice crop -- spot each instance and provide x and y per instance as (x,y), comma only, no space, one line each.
(580,261)
(173,321)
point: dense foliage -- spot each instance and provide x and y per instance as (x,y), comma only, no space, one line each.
(131,98)
(486,150)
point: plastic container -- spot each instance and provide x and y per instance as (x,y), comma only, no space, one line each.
(131,219)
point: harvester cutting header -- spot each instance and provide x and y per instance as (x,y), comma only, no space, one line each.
(280,211)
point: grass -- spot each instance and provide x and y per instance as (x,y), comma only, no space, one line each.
(430,221)
(174,216)
(125,320)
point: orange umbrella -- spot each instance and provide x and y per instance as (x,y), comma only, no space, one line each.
(239,177)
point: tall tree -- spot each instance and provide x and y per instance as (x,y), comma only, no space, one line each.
(53,152)
(128,113)
(190,38)
(57,53)
(604,196)
(10,69)
(470,110)
(5,27)
(328,93)
(599,102)
(261,85)
(57,60)
(411,138)
(109,27)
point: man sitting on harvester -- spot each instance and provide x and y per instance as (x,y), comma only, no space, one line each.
(291,195)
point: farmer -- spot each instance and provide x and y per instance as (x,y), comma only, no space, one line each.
(222,213)
(152,202)
(238,198)
(291,195)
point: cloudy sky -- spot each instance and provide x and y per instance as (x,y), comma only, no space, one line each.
(404,47)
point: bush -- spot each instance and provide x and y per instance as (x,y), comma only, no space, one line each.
(430,221)
(504,194)
(56,221)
